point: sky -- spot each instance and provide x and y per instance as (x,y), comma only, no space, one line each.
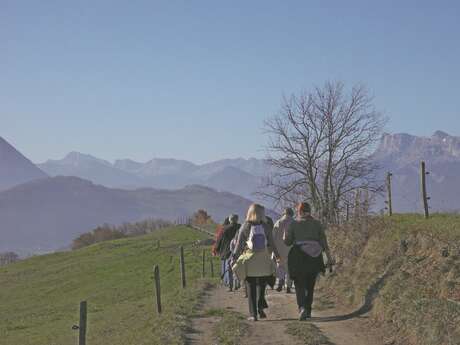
(196,80)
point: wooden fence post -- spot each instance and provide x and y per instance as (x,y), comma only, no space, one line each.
(357,210)
(212,267)
(82,324)
(156,275)
(389,201)
(425,199)
(203,271)
(182,266)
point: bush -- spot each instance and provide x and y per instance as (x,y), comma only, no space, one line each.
(107,232)
(201,217)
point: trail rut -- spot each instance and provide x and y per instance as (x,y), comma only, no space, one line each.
(341,326)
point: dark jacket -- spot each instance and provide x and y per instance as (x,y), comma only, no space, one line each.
(306,229)
(300,263)
(223,244)
(217,239)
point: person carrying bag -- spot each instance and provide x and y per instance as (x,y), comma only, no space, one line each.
(308,239)
(252,257)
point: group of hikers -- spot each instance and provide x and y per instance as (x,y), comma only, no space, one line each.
(258,252)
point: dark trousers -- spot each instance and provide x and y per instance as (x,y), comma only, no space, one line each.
(304,289)
(227,273)
(230,273)
(256,294)
(223,271)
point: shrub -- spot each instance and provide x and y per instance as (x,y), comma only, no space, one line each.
(108,232)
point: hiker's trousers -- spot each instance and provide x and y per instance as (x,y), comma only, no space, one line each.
(304,289)
(283,275)
(230,275)
(256,294)
(226,272)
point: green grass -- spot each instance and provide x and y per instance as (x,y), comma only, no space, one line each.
(308,333)
(211,228)
(230,328)
(39,297)
(418,297)
(445,227)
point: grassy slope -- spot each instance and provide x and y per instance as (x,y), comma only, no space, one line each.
(419,291)
(39,297)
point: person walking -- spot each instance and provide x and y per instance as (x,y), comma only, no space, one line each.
(308,239)
(223,248)
(252,256)
(236,281)
(217,247)
(279,230)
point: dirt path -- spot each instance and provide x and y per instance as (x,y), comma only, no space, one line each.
(342,327)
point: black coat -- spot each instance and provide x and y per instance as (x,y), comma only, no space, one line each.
(223,244)
(301,264)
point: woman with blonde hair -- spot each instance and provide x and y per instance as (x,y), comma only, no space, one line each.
(252,255)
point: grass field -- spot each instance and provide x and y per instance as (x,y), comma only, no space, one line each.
(39,297)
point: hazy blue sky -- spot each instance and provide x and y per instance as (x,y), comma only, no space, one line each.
(196,79)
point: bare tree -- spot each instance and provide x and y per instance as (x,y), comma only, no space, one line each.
(319,148)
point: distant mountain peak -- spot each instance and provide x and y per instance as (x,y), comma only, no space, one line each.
(77,157)
(15,168)
(406,148)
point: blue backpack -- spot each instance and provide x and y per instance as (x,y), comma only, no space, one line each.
(257,240)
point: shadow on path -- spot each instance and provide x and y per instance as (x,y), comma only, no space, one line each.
(371,293)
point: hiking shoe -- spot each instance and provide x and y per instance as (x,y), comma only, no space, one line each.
(262,314)
(280,285)
(288,290)
(252,318)
(303,315)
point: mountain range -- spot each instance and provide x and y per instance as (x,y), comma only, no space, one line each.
(401,155)
(41,212)
(46,214)
(397,153)
(239,176)
(43,206)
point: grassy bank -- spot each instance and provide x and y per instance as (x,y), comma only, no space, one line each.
(39,297)
(407,271)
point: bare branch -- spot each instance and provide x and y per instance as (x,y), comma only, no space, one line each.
(319,144)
